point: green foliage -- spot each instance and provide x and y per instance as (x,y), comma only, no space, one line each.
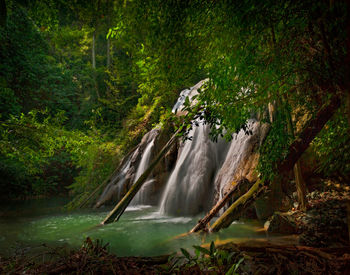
(46,65)
(8,103)
(332,147)
(275,146)
(207,260)
(252,52)
(53,155)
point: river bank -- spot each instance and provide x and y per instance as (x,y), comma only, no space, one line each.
(245,258)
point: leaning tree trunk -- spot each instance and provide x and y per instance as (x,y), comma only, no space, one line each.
(119,209)
(296,149)
(299,180)
(106,181)
(236,191)
(235,210)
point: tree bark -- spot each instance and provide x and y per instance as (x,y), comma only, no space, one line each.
(106,181)
(236,191)
(313,127)
(119,209)
(93,57)
(108,38)
(301,186)
(93,51)
(295,150)
(115,172)
(108,52)
(299,180)
(233,212)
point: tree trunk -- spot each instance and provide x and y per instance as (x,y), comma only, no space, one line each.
(93,51)
(106,181)
(313,127)
(233,212)
(236,191)
(93,56)
(299,180)
(108,38)
(108,52)
(295,150)
(301,186)
(119,209)
(113,175)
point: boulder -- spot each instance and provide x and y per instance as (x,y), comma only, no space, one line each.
(281,223)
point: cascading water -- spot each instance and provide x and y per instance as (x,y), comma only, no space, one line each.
(189,188)
(139,159)
(240,149)
(116,187)
(142,197)
(203,170)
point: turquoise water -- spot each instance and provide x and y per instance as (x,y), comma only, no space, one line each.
(141,231)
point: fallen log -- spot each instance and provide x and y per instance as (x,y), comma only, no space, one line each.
(107,180)
(119,209)
(236,191)
(113,175)
(233,212)
(296,149)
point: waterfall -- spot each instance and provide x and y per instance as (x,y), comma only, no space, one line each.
(201,173)
(188,188)
(204,170)
(138,161)
(241,149)
(142,195)
(115,188)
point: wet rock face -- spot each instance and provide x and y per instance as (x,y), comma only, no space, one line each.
(241,159)
(162,171)
(131,170)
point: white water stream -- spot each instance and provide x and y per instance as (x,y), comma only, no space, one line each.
(142,196)
(202,167)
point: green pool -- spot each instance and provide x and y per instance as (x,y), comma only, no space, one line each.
(141,231)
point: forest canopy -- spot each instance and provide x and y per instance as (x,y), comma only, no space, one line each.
(82,81)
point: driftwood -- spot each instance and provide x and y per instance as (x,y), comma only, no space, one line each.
(296,149)
(119,209)
(236,191)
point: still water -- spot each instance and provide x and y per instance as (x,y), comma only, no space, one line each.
(141,231)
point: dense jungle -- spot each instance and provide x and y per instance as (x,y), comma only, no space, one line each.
(174,137)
